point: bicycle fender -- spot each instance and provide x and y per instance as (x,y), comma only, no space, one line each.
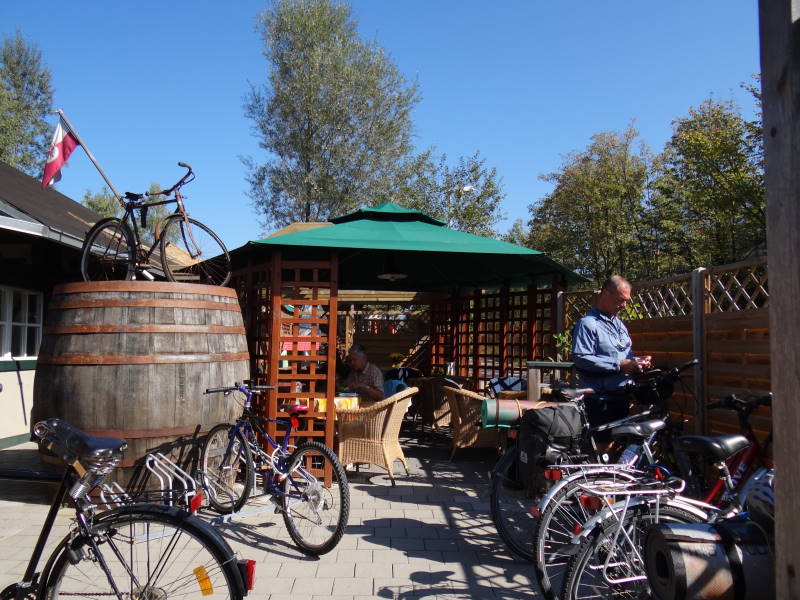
(617,507)
(551,493)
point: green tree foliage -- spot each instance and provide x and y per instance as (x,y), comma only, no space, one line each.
(615,208)
(104,203)
(467,196)
(334,118)
(26,97)
(518,233)
(595,219)
(712,189)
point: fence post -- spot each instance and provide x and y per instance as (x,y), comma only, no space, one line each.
(699,311)
(560,311)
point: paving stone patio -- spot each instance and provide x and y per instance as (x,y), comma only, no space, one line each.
(430,536)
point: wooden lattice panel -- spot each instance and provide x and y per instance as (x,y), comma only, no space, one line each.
(516,335)
(488,326)
(576,304)
(669,298)
(739,287)
(492,333)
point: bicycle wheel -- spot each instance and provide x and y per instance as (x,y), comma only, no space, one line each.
(192,253)
(227,469)
(555,527)
(152,552)
(587,575)
(510,505)
(315,514)
(109,252)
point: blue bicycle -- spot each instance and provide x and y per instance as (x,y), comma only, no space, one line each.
(315,514)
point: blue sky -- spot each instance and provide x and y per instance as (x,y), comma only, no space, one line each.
(151,83)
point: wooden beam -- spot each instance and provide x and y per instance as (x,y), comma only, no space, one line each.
(779,24)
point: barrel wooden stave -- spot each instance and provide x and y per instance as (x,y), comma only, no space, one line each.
(163,365)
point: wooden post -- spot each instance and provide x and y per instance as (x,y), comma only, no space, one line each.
(780,86)
(560,311)
(477,337)
(700,307)
(506,366)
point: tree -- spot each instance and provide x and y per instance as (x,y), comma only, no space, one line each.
(26,97)
(466,196)
(104,203)
(712,186)
(334,118)
(518,233)
(595,220)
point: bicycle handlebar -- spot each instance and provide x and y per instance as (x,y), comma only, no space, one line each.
(681,368)
(237,386)
(732,402)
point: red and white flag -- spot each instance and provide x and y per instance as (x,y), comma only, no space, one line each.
(60,148)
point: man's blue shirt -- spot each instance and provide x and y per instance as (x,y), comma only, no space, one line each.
(599,343)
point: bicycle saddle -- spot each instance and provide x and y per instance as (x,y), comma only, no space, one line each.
(572,393)
(294,410)
(721,447)
(71,444)
(643,429)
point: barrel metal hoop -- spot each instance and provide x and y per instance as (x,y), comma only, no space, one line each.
(147,302)
(143,286)
(131,328)
(146,434)
(139,359)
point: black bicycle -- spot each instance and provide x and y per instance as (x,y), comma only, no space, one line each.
(140,551)
(183,249)
(511,501)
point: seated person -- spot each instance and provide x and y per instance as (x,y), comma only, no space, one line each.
(364,378)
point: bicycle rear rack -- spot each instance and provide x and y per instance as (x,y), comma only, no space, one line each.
(175,487)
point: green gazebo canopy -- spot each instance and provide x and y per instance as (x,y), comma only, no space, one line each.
(393,241)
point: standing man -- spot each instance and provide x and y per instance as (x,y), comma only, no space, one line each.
(603,356)
(364,377)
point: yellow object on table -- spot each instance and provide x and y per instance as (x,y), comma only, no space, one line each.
(338,402)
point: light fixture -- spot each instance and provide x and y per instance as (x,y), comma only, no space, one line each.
(392,277)
(390,272)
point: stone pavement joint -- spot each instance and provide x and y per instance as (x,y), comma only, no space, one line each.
(429,537)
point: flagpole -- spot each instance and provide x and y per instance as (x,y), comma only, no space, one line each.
(63,117)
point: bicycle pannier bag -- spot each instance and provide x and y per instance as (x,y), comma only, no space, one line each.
(547,434)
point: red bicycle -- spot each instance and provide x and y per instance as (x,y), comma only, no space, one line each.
(752,458)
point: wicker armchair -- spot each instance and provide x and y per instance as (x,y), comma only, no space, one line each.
(370,435)
(465,419)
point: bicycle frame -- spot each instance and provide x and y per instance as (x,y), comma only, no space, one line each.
(250,427)
(739,465)
(143,256)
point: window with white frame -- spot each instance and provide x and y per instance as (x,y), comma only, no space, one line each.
(20,322)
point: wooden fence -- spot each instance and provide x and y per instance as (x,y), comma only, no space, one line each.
(719,315)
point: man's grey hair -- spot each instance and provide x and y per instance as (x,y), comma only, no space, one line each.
(615,282)
(358,349)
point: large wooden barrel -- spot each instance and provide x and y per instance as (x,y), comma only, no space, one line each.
(132,359)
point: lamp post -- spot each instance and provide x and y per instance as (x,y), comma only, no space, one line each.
(459,192)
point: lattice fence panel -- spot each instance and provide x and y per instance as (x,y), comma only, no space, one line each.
(739,287)
(464,337)
(489,331)
(442,334)
(576,304)
(516,336)
(651,300)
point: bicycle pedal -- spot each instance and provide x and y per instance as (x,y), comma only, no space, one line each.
(148,275)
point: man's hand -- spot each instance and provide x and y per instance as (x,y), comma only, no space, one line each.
(629,366)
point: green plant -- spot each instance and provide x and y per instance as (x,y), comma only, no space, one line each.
(563,344)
